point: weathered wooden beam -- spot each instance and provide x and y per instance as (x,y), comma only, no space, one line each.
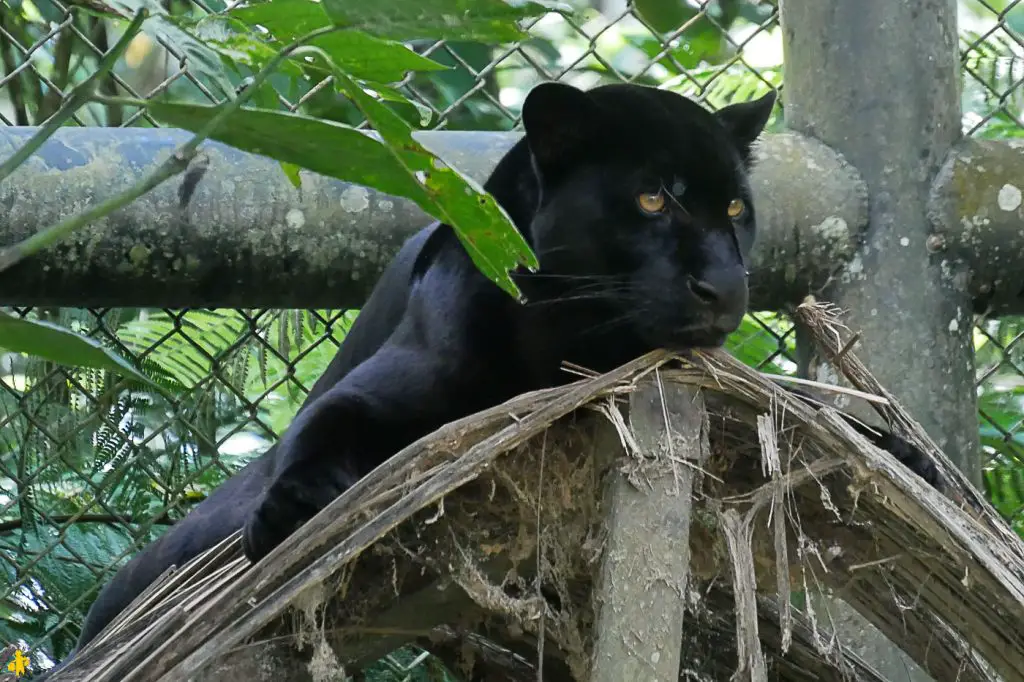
(247,237)
(640,597)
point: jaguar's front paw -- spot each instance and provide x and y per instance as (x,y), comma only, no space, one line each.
(288,503)
(269,525)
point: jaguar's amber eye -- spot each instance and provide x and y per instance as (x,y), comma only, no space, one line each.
(736,208)
(651,202)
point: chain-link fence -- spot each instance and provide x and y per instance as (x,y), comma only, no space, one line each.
(91,471)
(992,59)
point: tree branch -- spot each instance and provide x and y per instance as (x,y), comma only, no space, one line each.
(112,519)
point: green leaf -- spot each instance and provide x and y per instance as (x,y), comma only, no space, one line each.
(361,55)
(291,171)
(63,346)
(665,15)
(303,141)
(752,344)
(188,358)
(484,20)
(410,110)
(285,19)
(11,611)
(240,47)
(484,228)
(700,43)
(370,58)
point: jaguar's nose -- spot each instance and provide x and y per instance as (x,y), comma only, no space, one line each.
(723,294)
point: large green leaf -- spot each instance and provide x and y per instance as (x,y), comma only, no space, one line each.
(700,43)
(484,20)
(484,228)
(665,15)
(359,54)
(241,46)
(304,141)
(62,346)
(285,19)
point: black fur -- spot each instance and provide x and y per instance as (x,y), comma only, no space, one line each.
(914,459)
(437,340)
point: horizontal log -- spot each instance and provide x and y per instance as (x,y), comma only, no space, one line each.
(977,213)
(247,237)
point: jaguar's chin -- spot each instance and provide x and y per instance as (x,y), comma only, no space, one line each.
(692,337)
(697,339)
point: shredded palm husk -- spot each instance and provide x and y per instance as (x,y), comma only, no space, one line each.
(446,543)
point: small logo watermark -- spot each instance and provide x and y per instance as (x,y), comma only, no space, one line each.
(18,662)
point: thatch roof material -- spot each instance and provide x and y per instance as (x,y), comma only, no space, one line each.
(442,544)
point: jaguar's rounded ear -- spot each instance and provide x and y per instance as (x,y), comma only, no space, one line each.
(746,120)
(560,122)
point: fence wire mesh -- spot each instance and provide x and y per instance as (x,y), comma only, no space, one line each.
(992,61)
(92,469)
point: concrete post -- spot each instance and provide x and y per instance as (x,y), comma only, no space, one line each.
(877,80)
